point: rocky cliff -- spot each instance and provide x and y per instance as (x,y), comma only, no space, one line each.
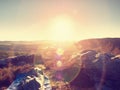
(108,45)
(99,71)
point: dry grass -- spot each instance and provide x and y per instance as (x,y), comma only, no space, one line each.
(8,74)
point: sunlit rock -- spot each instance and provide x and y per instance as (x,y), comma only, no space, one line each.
(35,79)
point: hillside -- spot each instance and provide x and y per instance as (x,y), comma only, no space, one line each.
(86,65)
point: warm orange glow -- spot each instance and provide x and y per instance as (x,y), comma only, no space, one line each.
(59,63)
(60,51)
(62,28)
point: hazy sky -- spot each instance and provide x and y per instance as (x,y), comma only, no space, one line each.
(34,19)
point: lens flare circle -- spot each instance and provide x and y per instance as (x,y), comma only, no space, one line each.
(59,63)
(60,51)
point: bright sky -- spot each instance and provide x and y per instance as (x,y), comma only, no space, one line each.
(59,19)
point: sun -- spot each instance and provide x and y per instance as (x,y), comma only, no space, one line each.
(62,28)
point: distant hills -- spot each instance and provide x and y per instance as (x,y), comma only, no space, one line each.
(104,45)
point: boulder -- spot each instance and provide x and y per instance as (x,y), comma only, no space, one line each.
(17,61)
(22,60)
(35,79)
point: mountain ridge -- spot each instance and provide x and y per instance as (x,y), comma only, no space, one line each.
(108,45)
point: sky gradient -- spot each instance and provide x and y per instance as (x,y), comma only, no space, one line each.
(33,19)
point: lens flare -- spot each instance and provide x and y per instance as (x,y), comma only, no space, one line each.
(59,63)
(60,51)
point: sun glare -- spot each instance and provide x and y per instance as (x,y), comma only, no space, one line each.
(62,28)
(59,63)
(60,51)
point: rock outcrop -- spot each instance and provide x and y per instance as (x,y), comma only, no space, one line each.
(100,71)
(17,61)
(104,45)
(35,79)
